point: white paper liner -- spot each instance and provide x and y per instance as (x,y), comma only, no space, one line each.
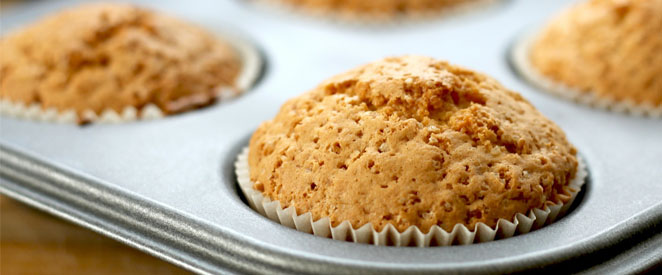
(389,235)
(520,58)
(367,19)
(251,65)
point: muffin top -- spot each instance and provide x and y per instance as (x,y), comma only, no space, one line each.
(612,48)
(112,56)
(411,141)
(383,9)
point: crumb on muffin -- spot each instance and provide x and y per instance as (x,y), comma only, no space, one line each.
(411,141)
(612,48)
(111,56)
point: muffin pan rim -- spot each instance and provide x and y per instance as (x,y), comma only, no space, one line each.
(263,258)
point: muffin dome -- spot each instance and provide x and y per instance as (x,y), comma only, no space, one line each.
(411,141)
(112,56)
(612,48)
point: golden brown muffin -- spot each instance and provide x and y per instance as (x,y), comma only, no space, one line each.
(375,9)
(411,141)
(112,56)
(612,48)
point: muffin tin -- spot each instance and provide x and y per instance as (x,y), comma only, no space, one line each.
(167,186)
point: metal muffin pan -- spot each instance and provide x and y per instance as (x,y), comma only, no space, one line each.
(167,186)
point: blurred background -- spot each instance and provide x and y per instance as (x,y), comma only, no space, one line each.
(35,242)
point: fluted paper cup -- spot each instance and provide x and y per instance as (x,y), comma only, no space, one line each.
(389,235)
(520,59)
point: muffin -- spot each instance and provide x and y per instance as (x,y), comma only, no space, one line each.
(610,49)
(375,10)
(114,57)
(411,142)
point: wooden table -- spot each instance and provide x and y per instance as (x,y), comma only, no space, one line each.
(34,242)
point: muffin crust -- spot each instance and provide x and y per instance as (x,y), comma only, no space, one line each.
(384,9)
(411,141)
(111,56)
(612,48)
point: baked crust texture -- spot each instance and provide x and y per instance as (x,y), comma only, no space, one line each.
(611,48)
(375,10)
(411,141)
(112,56)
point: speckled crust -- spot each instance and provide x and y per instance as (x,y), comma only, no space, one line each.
(612,48)
(374,9)
(411,141)
(111,56)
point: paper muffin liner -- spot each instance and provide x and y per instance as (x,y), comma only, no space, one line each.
(251,65)
(389,235)
(357,19)
(520,59)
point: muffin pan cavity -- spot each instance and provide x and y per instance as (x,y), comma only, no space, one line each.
(520,223)
(115,62)
(466,161)
(521,65)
